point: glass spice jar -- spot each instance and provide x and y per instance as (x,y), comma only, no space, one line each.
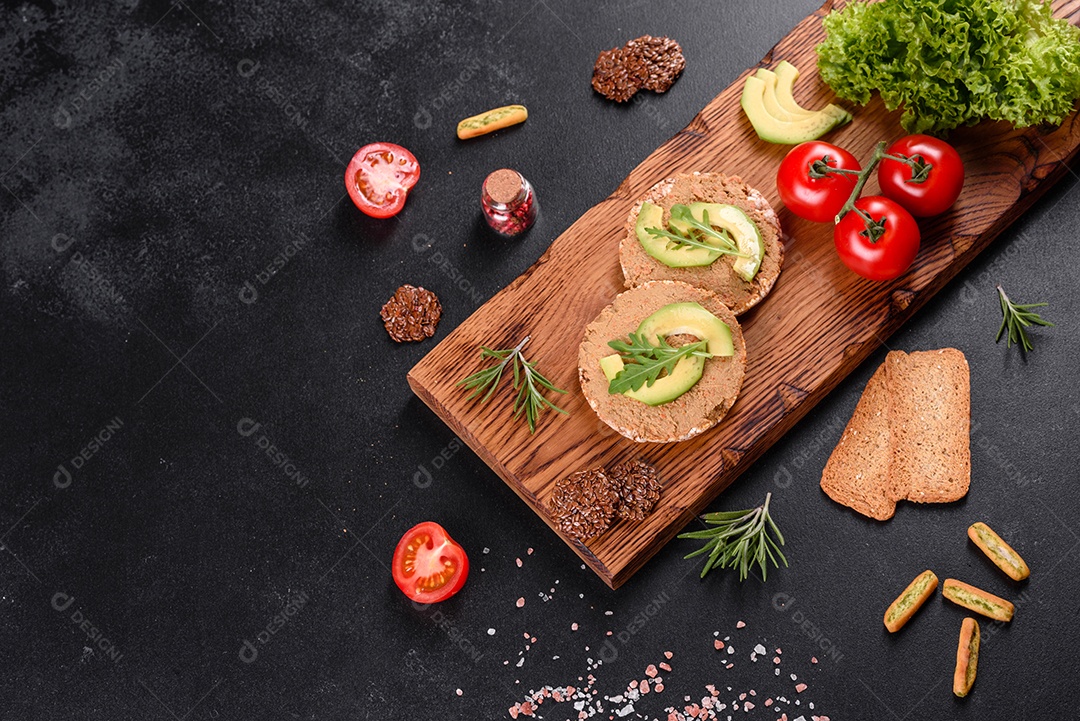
(509,202)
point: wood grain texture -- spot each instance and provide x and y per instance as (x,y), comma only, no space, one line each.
(817,325)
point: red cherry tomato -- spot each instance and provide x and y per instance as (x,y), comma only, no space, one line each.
(428,565)
(816,198)
(379,178)
(891,253)
(940,187)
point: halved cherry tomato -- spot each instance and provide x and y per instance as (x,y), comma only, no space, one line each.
(889,254)
(816,198)
(428,565)
(379,178)
(923,191)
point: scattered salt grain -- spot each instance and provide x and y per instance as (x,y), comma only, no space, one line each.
(813,659)
(740,624)
(573,627)
(651,671)
(530,551)
(668,655)
(800,688)
(458,692)
(486,550)
(521,602)
(491,632)
(718,644)
(518,561)
(759,650)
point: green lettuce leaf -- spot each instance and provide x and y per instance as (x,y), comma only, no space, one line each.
(954,62)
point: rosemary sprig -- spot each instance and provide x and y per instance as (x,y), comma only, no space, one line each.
(740,539)
(528,381)
(678,239)
(644,360)
(1015,318)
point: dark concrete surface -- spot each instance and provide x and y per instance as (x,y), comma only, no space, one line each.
(158,160)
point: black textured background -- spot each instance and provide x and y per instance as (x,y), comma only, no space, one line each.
(155,158)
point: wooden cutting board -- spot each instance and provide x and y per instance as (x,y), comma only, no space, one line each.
(817,325)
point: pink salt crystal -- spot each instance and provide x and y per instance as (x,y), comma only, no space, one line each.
(665,666)
(779,652)
(813,659)
(742,697)
(533,639)
(658,687)
(768,702)
(650,671)
(799,688)
(521,602)
(609,633)
(514,711)
(718,644)
(644,687)
(776,659)
(525,635)
(748,706)
(633,684)
(730,665)
(530,551)
(740,624)
(573,627)
(753,692)
(668,655)
(518,560)
(458,692)
(570,690)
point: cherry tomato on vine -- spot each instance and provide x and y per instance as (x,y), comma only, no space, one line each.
(929,188)
(379,178)
(814,194)
(882,249)
(428,565)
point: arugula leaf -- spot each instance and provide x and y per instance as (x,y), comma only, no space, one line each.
(643,361)
(952,62)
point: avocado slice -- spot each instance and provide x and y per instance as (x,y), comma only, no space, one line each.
(675,319)
(786,75)
(729,218)
(652,216)
(786,132)
(774,106)
(743,230)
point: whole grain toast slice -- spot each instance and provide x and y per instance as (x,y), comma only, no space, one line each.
(929,410)
(857,473)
